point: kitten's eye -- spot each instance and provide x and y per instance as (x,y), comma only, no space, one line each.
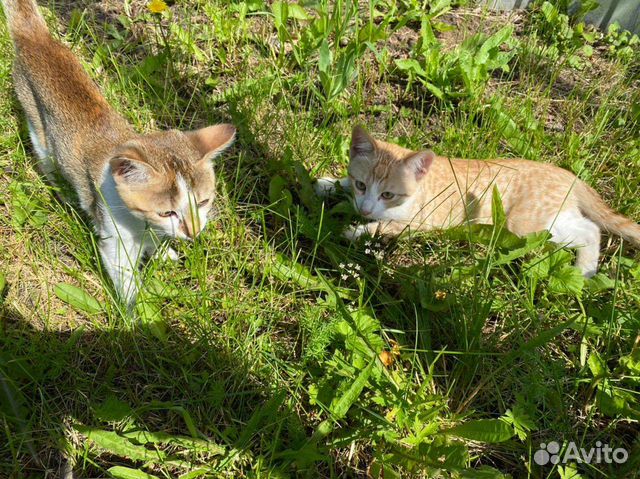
(361,186)
(387,195)
(203,203)
(167,214)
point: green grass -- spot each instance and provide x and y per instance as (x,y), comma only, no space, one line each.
(258,354)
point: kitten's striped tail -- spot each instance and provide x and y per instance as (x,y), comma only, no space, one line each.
(594,208)
(23,18)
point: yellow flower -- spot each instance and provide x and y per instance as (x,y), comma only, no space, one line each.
(441,295)
(391,414)
(157,6)
(387,358)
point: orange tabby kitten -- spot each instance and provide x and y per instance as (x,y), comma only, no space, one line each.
(403,189)
(130,184)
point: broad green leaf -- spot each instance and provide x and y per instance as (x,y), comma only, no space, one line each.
(483,430)
(520,420)
(78,298)
(380,470)
(569,472)
(537,268)
(278,192)
(340,406)
(485,234)
(280,12)
(150,316)
(483,472)
(195,473)
(297,11)
(550,12)
(566,280)
(160,289)
(448,454)
(190,443)
(599,283)
(360,333)
(323,429)
(286,270)
(410,65)
(532,242)
(437,92)
(306,191)
(306,455)
(112,409)
(121,472)
(597,366)
(25,207)
(541,268)
(631,362)
(498,216)
(613,402)
(494,42)
(326,58)
(119,445)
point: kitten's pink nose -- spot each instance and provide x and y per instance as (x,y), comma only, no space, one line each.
(364,212)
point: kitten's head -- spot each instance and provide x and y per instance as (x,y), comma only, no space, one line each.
(167,179)
(384,177)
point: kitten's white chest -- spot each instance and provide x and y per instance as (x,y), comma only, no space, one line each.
(404,212)
(116,217)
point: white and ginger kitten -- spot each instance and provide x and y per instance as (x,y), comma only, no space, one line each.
(400,189)
(135,187)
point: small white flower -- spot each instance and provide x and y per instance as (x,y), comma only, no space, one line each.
(357,267)
(367,251)
(341,265)
(345,277)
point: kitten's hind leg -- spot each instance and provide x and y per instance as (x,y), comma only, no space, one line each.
(46,163)
(35,123)
(573,230)
(38,140)
(327,186)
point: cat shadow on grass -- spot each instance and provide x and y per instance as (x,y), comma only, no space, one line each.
(55,383)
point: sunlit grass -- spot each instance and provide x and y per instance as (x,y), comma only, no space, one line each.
(273,348)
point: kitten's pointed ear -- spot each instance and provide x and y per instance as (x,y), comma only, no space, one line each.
(212,140)
(420,162)
(129,167)
(362,143)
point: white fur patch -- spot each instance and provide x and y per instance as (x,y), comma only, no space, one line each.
(326,186)
(123,240)
(46,161)
(39,148)
(183,194)
(573,230)
(352,233)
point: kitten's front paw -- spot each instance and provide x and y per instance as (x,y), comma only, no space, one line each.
(167,254)
(170,254)
(352,233)
(325,186)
